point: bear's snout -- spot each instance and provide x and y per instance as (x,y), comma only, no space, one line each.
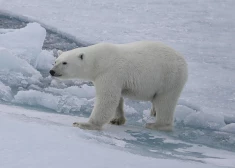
(52,72)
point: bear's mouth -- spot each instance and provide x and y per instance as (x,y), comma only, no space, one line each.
(53,73)
(57,75)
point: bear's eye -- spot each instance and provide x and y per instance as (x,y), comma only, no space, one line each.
(64,63)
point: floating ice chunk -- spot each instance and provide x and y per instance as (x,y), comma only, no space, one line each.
(10,62)
(229,118)
(229,128)
(129,110)
(147,117)
(21,47)
(26,43)
(34,87)
(45,60)
(205,120)
(37,98)
(15,71)
(88,91)
(83,91)
(182,112)
(5,92)
(63,104)
(57,83)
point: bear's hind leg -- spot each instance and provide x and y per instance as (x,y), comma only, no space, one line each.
(164,105)
(119,118)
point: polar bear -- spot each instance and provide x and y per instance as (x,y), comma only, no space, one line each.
(143,70)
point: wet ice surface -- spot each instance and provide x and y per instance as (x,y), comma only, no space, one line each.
(204,118)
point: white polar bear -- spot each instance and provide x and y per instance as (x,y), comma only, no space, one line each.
(144,70)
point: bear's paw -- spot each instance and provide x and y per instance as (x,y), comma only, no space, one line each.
(86,126)
(118,121)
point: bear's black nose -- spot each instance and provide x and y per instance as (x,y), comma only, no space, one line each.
(52,72)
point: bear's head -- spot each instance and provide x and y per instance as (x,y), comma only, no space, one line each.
(70,65)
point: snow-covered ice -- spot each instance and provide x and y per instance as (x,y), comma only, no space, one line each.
(38,139)
(205,115)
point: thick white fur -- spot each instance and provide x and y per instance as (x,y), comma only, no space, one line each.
(145,70)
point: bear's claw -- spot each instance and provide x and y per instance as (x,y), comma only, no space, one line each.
(118,121)
(153,113)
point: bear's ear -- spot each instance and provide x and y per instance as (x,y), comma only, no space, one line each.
(59,52)
(81,56)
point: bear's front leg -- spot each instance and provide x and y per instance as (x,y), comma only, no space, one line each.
(107,100)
